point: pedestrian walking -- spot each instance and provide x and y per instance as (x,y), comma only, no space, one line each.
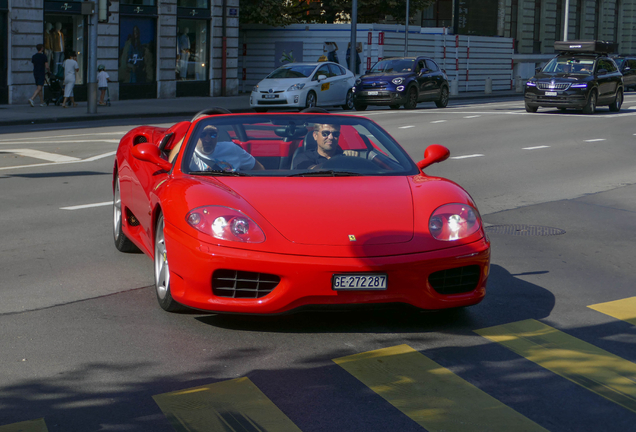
(40,67)
(70,70)
(332,51)
(358,61)
(102,83)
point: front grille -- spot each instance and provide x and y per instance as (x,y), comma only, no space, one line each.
(272,102)
(275,91)
(242,284)
(455,281)
(378,85)
(553,86)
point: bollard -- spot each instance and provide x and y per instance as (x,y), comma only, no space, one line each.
(454,88)
(520,83)
(488,85)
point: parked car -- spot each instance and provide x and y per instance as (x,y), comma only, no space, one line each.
(251,234)
(581,76)
(304,85)
(627,65)
(399,81)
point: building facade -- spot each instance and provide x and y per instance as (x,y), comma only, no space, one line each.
(150,48)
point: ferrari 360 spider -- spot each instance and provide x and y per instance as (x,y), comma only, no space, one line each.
(272,213)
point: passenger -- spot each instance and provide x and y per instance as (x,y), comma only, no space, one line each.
(326,136)
(224,155)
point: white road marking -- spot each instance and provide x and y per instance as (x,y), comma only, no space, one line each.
(78,207)
(595,140)
(439,121)
(467,156)
(472,116)
(534,148)
(40,139)
(406,127)
(91,159)
(37,154)
(634,107)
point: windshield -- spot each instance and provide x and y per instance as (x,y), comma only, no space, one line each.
(566,64)
(619,62)
(396,65)
(293,145)
(292,71)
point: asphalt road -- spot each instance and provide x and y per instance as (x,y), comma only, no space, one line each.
(85,347)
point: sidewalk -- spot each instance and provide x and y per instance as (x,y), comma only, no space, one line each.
(25,114)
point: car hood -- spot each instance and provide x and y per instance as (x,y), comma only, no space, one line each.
(383,76)
(280,84)
(333,211)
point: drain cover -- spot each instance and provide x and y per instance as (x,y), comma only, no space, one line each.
(524,230)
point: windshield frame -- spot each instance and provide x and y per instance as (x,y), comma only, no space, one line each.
(389,61)
(567,62)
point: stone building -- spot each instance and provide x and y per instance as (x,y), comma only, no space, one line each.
(150,48)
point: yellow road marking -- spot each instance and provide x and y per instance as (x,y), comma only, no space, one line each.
(26,426)
(234,405)
(595,369)
(430,394)
(624,309)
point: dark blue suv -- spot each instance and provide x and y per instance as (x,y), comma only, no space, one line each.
(399,81)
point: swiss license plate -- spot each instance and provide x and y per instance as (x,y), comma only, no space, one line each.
(362,281)
(270,96)
(373,93)
(550,93)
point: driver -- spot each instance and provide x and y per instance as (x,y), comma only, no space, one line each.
(326,136)
(210,154)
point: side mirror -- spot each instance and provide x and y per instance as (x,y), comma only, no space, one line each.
(366,71)
(537,70)
(322,77)
(433,154)
(627,68)
(151,153)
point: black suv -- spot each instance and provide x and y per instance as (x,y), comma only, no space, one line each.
(627,65)
(581,76)
(399,81)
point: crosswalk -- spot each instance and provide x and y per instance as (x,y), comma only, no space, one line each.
(423,390)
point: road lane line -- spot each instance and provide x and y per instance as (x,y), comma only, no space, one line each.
(83,206)
(439,121)
(45,139)
(431,395)
(467,156)
(472,116)
(624,309)
(580,362)
(224,406)
(406,127)
(101,156)
(26,426)
(37,154)
(91,159)
(535,148)
(595,140)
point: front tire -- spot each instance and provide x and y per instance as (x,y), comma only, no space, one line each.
(311,100)
(411,99)
(348,102)
(442,102)
(162,271)
(590,106)
(531,108)
(122,243)
(394,107)
(360,107)
(618,102)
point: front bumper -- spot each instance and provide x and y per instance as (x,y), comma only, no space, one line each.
(571,98)
(383,97)
(307,280)
(285,99)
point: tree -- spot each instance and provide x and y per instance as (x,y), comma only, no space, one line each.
(280,13)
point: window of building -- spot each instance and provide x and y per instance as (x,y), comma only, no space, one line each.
(62,35)
(192,50)
(137,48)
(197,4)
(138,2)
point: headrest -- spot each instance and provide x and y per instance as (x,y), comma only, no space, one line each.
(309,143)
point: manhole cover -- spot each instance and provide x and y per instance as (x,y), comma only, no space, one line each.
(524,230)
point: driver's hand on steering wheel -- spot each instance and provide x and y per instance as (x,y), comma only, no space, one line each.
(351,153)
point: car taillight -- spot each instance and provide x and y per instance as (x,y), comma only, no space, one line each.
(225,223)
(453,222)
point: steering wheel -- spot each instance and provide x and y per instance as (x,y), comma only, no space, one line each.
(210,111)
(348,162)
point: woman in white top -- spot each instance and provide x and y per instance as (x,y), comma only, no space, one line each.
(70,70)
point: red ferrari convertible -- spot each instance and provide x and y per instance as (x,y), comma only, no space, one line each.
(269,213)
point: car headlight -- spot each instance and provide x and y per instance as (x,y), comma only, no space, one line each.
(582,85)
(255,88)
(358,81)
(298,86)
(397,81)
(225,223)
(453,222)
(531,84)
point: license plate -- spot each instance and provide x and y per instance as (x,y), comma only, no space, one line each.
(373,93)
(363,281)
(270,96)
(550,93)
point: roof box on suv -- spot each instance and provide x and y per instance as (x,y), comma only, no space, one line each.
(599,47)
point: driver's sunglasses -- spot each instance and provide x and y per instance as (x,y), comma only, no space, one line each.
(211,134)
(335,134)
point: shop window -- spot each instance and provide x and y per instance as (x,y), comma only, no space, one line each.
(137,46)
(192,50)
(62,35)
